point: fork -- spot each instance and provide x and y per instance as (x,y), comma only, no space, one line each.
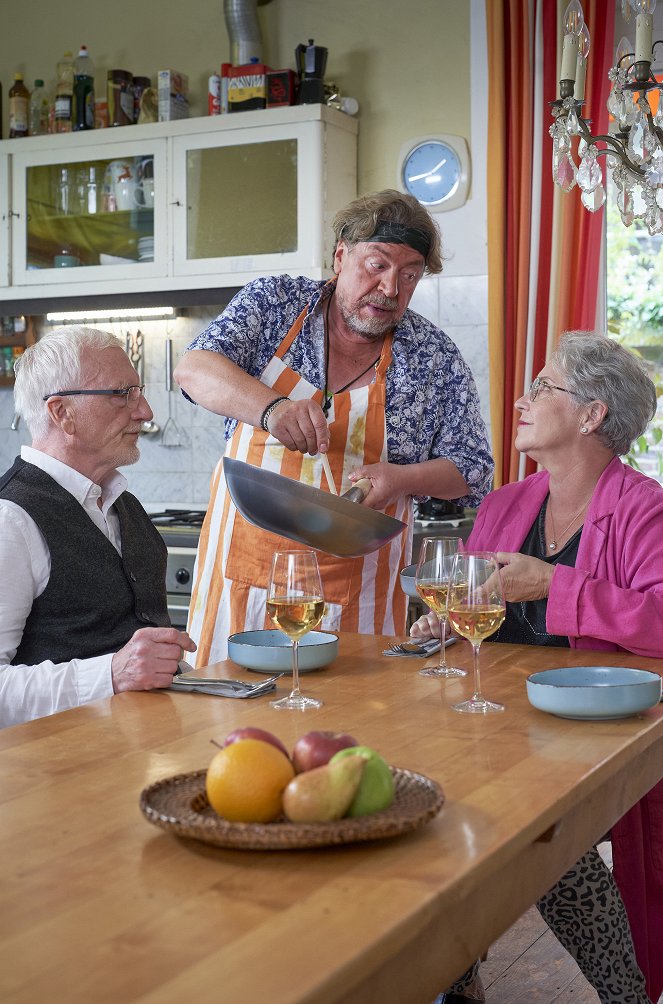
(413,648)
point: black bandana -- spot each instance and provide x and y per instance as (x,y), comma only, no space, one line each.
(388,232)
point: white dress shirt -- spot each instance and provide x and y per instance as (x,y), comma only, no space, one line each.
(28,692)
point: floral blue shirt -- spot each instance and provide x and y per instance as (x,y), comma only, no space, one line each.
(432,406)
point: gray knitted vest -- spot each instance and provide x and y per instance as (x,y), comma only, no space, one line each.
(95,599)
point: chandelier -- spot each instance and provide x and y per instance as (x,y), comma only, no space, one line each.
(634,147)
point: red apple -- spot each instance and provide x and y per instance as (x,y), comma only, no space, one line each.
(253,732)
(315,749)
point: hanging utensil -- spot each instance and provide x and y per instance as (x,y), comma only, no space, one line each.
(173,437)
(325,522)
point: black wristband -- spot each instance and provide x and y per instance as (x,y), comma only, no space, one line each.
(268,411)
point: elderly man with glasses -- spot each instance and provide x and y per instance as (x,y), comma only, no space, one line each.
(83,610)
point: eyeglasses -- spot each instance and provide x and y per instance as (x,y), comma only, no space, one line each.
(130,394)
(538,385)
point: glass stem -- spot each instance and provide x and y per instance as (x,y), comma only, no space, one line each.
(295,669)
(443,638)
(476,696)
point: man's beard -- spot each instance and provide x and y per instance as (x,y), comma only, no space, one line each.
(370,328)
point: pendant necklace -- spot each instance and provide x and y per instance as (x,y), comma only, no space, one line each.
(552,546)
(327,396)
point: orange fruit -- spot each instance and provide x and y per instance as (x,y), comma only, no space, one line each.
(245,781)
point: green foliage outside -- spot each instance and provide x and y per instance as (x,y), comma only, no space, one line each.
(635,314)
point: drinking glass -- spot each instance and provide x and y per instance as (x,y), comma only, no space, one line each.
(476,609)
(295,603)
(432,581)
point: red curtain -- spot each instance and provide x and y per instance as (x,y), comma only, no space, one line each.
(544,248)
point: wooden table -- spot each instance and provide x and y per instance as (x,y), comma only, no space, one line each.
(97,905)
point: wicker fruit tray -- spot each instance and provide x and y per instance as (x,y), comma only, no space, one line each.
(179,805)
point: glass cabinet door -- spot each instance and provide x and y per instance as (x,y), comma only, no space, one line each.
(239,198)
(90,214)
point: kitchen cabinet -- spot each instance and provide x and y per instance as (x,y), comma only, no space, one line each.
(202,203)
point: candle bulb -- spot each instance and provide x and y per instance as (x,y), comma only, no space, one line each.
(573,22)
(581,64)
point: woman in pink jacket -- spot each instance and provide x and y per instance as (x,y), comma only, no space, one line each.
(581,545)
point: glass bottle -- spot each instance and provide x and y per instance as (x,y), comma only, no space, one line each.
(83,115)
(19,108)
(64,94)
(38,110)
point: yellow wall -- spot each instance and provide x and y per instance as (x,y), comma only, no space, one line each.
(407,62)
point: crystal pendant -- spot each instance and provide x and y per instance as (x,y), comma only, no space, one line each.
(659,198)
(625,206)
(640,201)
(572,124)
(614,103)
(589,172)
(654,170)
(593,200)
(636,139)
(658,117)
(564,172)
(654,220)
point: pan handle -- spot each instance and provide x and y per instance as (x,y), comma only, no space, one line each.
(359,491)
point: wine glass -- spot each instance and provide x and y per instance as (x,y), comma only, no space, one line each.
(296,605)
(476,609)
(432,581)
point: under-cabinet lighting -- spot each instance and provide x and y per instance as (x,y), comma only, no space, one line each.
(126,314)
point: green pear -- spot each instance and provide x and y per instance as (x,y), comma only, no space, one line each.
(323,793)
(376,789)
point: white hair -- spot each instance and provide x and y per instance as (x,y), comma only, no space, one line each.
(600,369)
(52,364)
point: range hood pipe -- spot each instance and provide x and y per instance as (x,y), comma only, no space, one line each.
(243,30)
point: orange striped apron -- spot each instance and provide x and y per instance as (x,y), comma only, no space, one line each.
(234,558)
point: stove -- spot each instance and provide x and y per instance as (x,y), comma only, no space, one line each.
(180,529)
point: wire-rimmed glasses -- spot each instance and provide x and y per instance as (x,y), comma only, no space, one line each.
(130,394)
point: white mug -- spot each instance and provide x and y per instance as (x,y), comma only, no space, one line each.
(146,189)
(121,170)
(126,195)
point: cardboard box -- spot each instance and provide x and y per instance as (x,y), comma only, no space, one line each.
(281,88)
(247,87)
(173,88)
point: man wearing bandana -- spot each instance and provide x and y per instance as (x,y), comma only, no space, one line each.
(300,367)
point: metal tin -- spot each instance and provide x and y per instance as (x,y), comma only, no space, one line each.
(214,95)
(120,98)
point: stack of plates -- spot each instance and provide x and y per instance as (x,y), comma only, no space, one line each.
(146,248)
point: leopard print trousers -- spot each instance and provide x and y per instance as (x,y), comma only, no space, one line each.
(586,913)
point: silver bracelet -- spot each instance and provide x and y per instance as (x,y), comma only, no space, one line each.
(268,411)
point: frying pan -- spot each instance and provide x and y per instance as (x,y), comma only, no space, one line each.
(325,522)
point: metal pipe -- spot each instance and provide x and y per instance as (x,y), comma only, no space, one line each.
(15,420)
(243,30)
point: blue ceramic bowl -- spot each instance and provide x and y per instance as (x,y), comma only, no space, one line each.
(594,692)
(271,651)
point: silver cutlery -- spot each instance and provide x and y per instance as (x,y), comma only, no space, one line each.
(415,648)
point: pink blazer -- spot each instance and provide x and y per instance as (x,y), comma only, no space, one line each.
(612,599)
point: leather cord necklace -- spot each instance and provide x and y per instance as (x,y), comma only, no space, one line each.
(327,395)
(552,546)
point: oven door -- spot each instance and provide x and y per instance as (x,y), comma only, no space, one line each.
(179,582)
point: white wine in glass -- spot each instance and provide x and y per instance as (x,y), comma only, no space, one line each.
(476,609)
(296,605)
(432,582)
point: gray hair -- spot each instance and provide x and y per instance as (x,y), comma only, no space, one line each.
(54,363)
(359,220)
(600,369)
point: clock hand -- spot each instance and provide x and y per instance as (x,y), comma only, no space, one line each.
(418,177)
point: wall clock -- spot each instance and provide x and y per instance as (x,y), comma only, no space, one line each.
(436,171)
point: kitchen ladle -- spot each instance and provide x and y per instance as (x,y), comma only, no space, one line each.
(172,436)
